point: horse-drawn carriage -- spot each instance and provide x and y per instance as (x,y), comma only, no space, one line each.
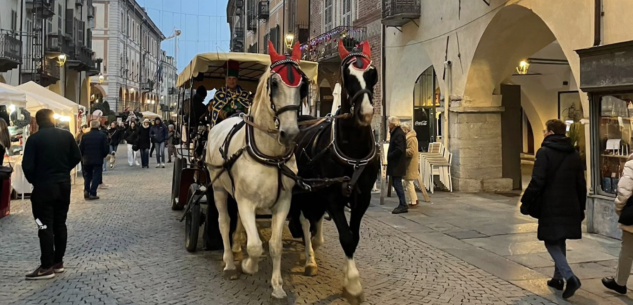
(190,173)
(274,158)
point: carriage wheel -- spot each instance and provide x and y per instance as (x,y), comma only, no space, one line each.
(192,220)
(175,184)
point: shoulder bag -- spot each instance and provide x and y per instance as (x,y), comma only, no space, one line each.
(533,208)
(626,216)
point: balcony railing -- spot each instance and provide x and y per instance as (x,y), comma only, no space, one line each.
(80,59)
(42,8)
(324,48)
(91,11)
(45,73)
(263,11)
(397,13)
(57,44)
(10,48)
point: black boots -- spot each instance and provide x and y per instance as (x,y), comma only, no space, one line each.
(557,284)
(573,284)
(610,283)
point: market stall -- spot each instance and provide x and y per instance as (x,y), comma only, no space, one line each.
(68,116)
(10,95)
(149,115)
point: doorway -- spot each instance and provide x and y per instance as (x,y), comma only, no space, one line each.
(426,98)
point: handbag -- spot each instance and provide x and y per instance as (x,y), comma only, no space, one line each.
(626,216)
(5,172)
(533,208)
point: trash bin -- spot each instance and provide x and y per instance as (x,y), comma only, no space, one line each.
(5,197)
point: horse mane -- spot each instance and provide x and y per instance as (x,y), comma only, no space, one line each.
(262,93)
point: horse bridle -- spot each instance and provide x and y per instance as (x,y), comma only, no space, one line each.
(361,92)
(296,108)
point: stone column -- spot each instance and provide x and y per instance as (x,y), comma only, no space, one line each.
(475,141)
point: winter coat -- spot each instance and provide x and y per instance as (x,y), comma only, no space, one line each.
(159,133)
(625,190)
(558,178)
(49,156)
(116,134)
(172,138)
(94,147)
(131,135)
(413,157)
(143,137)
(396,157)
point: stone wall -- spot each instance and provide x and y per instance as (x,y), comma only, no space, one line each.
(601,217)
(475,142)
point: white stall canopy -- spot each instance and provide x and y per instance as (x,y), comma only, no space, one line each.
(10,95)
(37,89)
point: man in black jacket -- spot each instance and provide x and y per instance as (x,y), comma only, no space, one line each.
(94,148)
(396,162)
(49,156)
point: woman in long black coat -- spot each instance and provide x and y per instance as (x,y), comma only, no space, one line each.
(144,143)
(558,187)
(396,162)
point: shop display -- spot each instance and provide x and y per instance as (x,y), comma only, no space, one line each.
(616,138)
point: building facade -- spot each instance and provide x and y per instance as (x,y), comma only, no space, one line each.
(167,82)
(483,77)
(129,43)
(353,22)
(50,43)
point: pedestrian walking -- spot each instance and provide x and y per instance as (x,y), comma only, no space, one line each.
(84,129)
(397,162)
(5,140)
(556,195)
(412,173)
(131,138)
(116,134)
(49,156)
(159,135)
(144,143)
(624,199)
(94,147)
(172,141)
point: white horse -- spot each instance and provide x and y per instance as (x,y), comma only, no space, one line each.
(254,184)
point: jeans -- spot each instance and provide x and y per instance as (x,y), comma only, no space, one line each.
(397,184)
(558,251)
(50,205)
(131,155)
(113,148)
(626,259)
(93,176)
(144,157)
(160,152)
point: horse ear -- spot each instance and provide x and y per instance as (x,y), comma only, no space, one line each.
(341,49)
(274,56)
(296,52)
(366,48)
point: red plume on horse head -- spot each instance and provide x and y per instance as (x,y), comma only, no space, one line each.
(364,46)
(275,57)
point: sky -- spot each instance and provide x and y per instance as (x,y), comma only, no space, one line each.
(202,22)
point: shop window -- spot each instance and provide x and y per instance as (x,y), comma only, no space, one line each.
(615,133)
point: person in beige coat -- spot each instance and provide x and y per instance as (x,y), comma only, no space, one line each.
(412,165)
(625,191)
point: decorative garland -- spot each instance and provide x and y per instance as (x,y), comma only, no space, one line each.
(21,122)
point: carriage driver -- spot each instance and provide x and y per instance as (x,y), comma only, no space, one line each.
(230,99)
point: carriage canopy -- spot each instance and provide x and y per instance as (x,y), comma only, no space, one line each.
(208,69)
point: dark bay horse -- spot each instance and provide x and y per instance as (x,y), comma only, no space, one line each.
(336,148)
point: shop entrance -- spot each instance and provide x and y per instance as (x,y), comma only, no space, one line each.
(426,99)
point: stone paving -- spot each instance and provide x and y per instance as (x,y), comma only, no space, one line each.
(128,248)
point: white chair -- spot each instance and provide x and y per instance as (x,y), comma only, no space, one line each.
(440,167)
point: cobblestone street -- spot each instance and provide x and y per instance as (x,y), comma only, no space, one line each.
(128,248)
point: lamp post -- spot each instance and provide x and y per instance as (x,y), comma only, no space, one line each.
(61,60)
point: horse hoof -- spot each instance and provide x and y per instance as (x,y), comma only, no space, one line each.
(238,256)
(231,274)
(311,270)
(248,268)
(279,293)
(353,299)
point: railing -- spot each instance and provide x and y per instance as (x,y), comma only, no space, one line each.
(401,11)
(43,8)
(325,46)
(10,47)
(57,44)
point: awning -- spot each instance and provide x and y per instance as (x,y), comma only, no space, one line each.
(252,66)
(149,115)
(37,89)
(10,95)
